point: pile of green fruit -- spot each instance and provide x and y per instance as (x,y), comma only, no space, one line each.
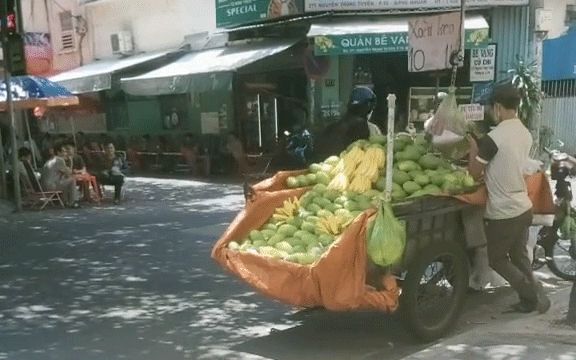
(303,229)
(303,233)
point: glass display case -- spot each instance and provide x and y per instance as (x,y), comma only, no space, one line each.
(422,100)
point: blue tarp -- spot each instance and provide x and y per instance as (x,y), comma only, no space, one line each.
(560,57)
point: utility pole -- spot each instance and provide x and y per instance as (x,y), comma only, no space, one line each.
(540,33)
(3,187)
(8,81)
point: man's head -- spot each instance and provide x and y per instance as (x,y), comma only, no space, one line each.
(60,150)
(505,102)
(362,102)
(71,149)
(24,154)
(109,149)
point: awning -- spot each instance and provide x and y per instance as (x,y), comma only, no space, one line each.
(97,76)
(365,35)
(560,58)
(203,70)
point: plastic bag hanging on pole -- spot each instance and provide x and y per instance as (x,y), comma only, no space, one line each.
(386,237)
(449,117)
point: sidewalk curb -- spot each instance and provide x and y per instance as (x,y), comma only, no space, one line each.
(529,330)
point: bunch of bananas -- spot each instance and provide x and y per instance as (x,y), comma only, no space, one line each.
(289,210)
(368,170)
(361,183)
(352,159)
(339,182)
(332,224)
(377,154)
(338,168)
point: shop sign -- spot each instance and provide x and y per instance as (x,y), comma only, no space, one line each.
(432,40)
(355,44)
(472,112)
(238,12)
(360,44)
(483,64)
(482,92)
(359,5)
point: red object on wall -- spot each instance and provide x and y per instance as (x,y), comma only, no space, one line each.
(316,67)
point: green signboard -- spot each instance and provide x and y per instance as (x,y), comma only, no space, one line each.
(352,44)
(231,13)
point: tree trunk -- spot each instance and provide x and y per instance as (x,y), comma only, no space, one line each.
(571,318)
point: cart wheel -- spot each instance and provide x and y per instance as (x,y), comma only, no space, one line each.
(434,290)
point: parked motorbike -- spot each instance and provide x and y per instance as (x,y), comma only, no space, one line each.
(552,248)
(289,155)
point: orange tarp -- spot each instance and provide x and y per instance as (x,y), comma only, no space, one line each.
(538,190)
(337,281)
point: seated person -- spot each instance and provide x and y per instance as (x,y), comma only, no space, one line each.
(73,160)
(56,176)
(109,172)
(189,150)
(27,175)
(76,163)
(236,149)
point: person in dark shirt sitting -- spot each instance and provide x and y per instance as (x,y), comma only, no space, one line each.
(73,160)
(110,171)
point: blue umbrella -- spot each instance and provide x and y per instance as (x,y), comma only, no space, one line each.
(29,92)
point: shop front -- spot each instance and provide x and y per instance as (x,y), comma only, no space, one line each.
(356,42)
(249,89)
(103,106)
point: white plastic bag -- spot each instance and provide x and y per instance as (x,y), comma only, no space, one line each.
(449,117)
(532,167)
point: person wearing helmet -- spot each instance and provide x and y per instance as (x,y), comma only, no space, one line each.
(354,125)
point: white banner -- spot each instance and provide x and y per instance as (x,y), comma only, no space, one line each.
(432,40)
(347,5)
(472,112)
(483,64)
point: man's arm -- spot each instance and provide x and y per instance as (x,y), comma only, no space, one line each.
(62,168)
(481,153)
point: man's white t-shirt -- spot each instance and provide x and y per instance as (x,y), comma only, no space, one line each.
(505,151)
(374,129)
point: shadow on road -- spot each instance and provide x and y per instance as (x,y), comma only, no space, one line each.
(137,282)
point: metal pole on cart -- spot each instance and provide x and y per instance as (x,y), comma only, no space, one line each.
(390,147)
(259,123)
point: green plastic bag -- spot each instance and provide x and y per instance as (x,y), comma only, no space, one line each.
(386,237)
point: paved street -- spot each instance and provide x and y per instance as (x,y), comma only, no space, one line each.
(137,282)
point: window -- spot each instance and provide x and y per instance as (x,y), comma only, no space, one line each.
(67,34)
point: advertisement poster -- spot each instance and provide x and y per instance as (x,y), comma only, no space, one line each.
(39,53)
(358,5)
(231,13)
(210,123)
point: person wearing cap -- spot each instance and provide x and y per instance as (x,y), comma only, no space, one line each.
(499,158)
(354,125)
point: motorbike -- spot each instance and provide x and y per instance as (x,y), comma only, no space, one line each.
(552,248)
(286,157)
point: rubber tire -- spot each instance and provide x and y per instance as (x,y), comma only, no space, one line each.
(409,297)
(549,251)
